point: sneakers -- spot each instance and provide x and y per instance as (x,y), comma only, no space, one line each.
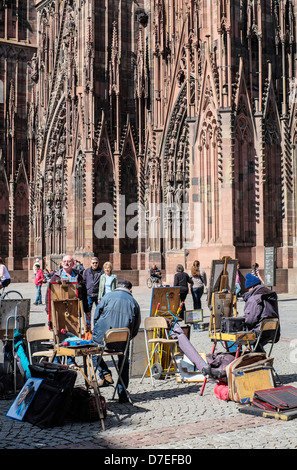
(106,381)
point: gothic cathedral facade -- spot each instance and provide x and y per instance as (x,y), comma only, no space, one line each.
(148,131)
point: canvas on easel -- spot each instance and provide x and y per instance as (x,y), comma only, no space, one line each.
(67,312)
(168,299)
(222,277)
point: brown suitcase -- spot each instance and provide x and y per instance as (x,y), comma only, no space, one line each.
(248,373)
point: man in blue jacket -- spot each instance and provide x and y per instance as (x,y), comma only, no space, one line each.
(117,309)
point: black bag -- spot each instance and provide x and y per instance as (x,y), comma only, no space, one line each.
(53,397)
(232,324)
(217,363)
(83,406)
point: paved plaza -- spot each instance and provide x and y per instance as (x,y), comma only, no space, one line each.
(172,416)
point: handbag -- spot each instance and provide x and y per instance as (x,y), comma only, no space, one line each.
(83,407)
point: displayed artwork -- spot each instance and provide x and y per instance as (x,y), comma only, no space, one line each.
(194,316)
(22,402)
(222,277)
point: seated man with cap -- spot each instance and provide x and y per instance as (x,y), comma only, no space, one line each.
(260,303)
(117,309)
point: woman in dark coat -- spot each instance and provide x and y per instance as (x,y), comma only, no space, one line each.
(182,279)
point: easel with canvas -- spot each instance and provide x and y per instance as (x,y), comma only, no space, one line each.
(223,304)
(68,319)
(165,302)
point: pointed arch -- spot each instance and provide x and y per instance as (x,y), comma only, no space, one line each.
(272,177)
(129,188)
(104,193)
(21,216)
(245,186)
(4,211)
(207,161)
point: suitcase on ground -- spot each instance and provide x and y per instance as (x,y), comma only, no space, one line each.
(50,405)
(278,399)
(248,373)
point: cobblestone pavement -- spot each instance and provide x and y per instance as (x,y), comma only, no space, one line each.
(170,416)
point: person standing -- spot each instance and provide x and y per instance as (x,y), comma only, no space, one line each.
(38,283)
(237,282)
(108,281)
(199,279)
(91,277)
(117,309)
(182,279)
(4,275)
(255,272)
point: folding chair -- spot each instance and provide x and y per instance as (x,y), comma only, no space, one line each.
(37,334)
(111,347)
(268,324)
(157,325)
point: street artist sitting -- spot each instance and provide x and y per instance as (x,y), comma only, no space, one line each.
(260,303)
(117,309)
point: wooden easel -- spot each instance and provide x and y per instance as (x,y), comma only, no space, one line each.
(224,303)
(67,314)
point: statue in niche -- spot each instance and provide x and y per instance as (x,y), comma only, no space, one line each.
(48,215)
(169,194)
(179,195)
(170,169)
(50,182)
(58,215)
(179,170)
(34,68)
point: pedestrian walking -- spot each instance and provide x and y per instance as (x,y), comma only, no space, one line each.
(38,283)
(4,275)
(182,279)
(198,277)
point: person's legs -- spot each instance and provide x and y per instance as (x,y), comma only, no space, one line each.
(200,291)
(91,301)
(38,295)
(125,378)
(195,298)
(183,299)
(39,298)
(103,371)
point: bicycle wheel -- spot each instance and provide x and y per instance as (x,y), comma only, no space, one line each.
(12,295)
(149,283)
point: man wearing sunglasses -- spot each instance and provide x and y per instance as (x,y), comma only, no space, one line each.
(92,277)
